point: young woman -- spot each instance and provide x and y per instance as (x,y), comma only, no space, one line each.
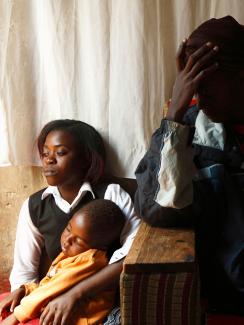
(73,158)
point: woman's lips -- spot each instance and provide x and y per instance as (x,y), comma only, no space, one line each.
(50,172)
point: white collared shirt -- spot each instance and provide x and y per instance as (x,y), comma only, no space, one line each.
(29,241)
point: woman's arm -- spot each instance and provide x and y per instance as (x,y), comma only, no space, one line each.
(119,196)
(11,301)
(60,310)
(27,251)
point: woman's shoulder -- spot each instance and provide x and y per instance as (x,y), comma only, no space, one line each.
(124,185)
(37,194)
(35,201)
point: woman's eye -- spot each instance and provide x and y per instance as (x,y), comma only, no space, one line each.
(61,153)
(44,154)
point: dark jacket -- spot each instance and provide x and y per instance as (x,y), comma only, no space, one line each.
(188,178)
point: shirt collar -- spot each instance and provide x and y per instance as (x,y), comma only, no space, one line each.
(53,190)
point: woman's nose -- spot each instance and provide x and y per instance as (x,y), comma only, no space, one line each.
(50,159)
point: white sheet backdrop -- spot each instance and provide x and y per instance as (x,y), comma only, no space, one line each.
(107,62)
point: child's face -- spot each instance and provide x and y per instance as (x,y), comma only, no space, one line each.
(76,237)
(60,160)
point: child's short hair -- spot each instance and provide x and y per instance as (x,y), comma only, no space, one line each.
(106,221)
(89,143)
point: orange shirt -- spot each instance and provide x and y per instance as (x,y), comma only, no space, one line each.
(62,275)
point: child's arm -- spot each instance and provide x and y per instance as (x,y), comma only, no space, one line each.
(61,308)
(12,300)
(81,268)
(10,320)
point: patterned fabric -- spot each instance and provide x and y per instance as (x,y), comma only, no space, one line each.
(165,299)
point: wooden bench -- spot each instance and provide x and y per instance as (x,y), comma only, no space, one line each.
(159,283)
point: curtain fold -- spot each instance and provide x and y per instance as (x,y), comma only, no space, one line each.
(110,63)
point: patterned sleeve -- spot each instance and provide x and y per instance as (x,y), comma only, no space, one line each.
(164,177)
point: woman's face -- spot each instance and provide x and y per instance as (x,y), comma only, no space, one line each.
(61,160)
(76,237)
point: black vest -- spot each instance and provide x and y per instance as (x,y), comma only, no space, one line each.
(51,220)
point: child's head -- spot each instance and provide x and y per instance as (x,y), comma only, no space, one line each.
(221,93)
(75,144)
(96,225)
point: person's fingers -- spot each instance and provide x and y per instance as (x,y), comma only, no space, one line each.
(204,74)
(204,62)
(44,316)
(13,304)
(199,53)
(180,55)
(58,319)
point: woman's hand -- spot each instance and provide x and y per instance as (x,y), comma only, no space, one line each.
(59,310)
(11,301)
(66,308)
(198,66)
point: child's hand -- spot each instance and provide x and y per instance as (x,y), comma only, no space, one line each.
(10,320)
(11,301)
(198,66)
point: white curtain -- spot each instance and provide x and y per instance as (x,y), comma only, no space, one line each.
(109,63)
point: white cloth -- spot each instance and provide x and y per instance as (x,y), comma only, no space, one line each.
(177,168)
(29,241)
(109,63)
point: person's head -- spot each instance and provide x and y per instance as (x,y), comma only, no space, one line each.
(71,150)
(96,225)
(220,95)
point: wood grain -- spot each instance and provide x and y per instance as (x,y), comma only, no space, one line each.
(161,250)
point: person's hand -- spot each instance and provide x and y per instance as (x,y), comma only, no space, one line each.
(61,310)
(198,66)
(11,301)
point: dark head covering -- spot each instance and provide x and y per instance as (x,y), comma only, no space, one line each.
(225,32)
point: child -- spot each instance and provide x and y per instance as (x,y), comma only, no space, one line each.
(73,158)
(194,166)
(84,242)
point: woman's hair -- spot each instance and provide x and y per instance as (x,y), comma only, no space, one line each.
(106,221)
(227,34)
(89,144)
